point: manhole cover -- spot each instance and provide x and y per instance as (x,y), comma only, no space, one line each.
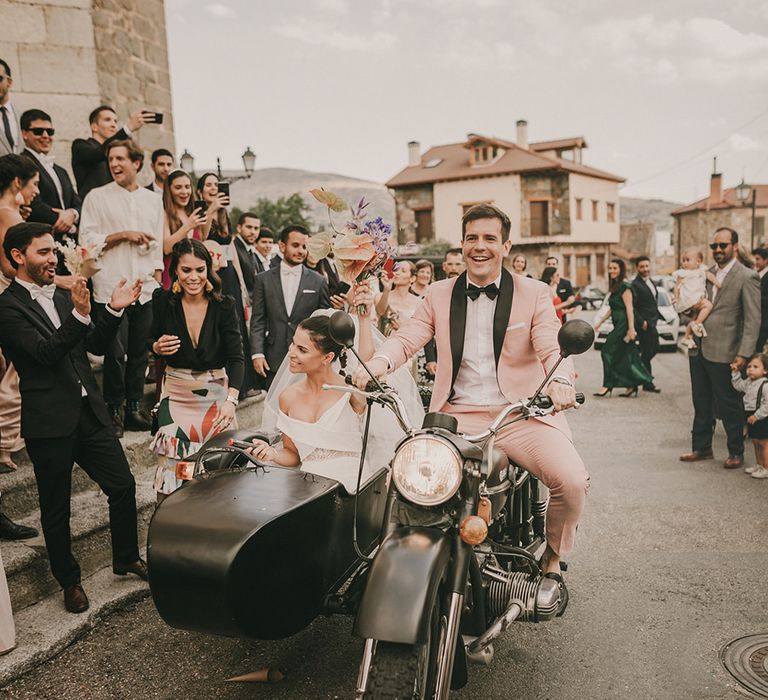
(746,659)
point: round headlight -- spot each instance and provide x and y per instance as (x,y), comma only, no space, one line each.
(427,470)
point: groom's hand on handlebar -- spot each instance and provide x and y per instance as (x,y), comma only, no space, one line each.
(378,367)
(562,395)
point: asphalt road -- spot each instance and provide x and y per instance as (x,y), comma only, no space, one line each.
(670,565)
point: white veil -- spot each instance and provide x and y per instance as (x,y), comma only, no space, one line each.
(385,432)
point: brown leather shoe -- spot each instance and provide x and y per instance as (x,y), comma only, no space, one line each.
(733,462)
(139,567)
(75,600)
(696,456)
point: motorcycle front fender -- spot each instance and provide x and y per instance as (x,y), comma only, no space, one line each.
(402,584)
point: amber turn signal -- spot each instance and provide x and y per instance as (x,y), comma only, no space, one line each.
(185,470)
(473,530)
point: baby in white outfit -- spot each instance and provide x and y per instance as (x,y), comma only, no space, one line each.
(690,294)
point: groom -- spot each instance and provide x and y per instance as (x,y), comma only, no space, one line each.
(496,337)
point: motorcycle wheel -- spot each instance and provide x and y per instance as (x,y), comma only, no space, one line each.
(405,671)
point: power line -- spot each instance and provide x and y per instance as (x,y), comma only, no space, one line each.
(698,154)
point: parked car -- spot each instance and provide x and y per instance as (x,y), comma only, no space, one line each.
(668,326)
(588,297)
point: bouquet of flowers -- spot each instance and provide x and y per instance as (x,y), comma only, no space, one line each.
(362,249)
(79,260)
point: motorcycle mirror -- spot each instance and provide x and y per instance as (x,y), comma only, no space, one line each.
(575,337)
(342,329)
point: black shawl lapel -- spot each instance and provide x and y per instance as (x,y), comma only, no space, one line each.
(33,310)
(458,320)
(501,314)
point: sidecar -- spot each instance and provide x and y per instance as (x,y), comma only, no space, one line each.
(254,552)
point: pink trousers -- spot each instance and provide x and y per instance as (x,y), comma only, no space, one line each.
(549,455)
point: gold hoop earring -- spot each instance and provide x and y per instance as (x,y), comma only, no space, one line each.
(176,287)
(208,286)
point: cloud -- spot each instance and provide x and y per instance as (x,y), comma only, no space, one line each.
(741,143)
(324,34)
(337,6)
(219,9)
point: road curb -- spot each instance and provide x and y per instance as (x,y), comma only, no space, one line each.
(45,629)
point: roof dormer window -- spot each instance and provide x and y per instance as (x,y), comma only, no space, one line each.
(483,153)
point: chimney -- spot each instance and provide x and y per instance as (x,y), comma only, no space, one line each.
(414,153)
(715,185)
(522,133)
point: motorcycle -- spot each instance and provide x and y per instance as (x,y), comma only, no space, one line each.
(435,556)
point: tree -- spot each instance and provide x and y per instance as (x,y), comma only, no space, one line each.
(276,215)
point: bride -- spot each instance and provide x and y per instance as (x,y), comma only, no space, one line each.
(322,429)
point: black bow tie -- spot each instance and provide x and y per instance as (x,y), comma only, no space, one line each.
(490,290)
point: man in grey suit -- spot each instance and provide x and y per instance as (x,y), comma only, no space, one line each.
(10,133)
(283,297)
(732,329)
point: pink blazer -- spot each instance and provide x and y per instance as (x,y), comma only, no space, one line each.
(525,338)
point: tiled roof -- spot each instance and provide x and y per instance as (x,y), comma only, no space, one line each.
(451,162)
(728,201)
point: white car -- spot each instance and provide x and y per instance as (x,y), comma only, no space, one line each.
(668,326)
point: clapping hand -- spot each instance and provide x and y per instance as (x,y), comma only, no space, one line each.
(65,220)
(123,295)
(81,297)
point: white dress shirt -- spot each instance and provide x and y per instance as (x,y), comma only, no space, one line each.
(265,261)
(290,278)
(13,121)
(720,274)
(762,272)
(110,209)
(477,383)
(649,283)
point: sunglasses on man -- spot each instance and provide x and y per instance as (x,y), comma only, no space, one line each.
(40,130)
(721,246)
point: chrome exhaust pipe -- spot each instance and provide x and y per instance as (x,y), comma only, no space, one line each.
(483,658)
(497,628)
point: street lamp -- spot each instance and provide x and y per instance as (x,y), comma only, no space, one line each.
(742,193)
(187,162)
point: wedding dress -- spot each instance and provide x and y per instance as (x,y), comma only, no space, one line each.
(332,445)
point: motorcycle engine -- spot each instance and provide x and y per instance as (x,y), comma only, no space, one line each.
(539,596)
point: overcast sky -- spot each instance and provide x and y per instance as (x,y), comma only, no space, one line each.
(341,85)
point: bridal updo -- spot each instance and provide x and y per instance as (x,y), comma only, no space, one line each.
(319,330)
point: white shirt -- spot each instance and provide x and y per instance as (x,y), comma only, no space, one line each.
(762,272)
(476,383)
(49,307)
(720,274)
(18,143)
(156,189)
(290,278)
(652,287)
(248,246)
(110,209)
(265,261)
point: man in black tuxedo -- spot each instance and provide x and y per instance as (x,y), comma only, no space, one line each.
(89,156)
(646,315)
(58,204)
(46,331)
(282,298)
(161,164)
(761,266)
(265,257)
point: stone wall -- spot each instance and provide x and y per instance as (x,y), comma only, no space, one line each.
(638,239)
(407,201)
(694,229)
(69,56)
(552,188)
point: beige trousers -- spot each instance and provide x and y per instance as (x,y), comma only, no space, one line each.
(549,455)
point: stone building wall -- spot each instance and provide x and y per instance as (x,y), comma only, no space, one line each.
(407,201)
(554,189)
(69,56)
(694,229)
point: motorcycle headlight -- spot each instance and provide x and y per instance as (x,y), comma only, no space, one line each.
(427,470)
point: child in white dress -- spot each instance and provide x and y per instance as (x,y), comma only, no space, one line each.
(690,295)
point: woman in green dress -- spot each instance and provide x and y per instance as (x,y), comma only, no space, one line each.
(622,366)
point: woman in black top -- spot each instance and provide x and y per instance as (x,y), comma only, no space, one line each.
(195,329)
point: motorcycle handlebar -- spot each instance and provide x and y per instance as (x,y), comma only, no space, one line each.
(545,402)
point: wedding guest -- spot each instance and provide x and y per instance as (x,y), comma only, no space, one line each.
(453,263)
(180,220)
(58,204)
(218,218)
(622,365)
(265,244)
(396,303)
(646,316)
(327,269)
(761,267)
(245,254)
(520,265)
(732,329)
(126,222)
(18,184)
(10,139)
(283,297)
(46,331)
(195,329)
(425,275)
(564,288)
(89,156)
(162,164)
(551,278)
